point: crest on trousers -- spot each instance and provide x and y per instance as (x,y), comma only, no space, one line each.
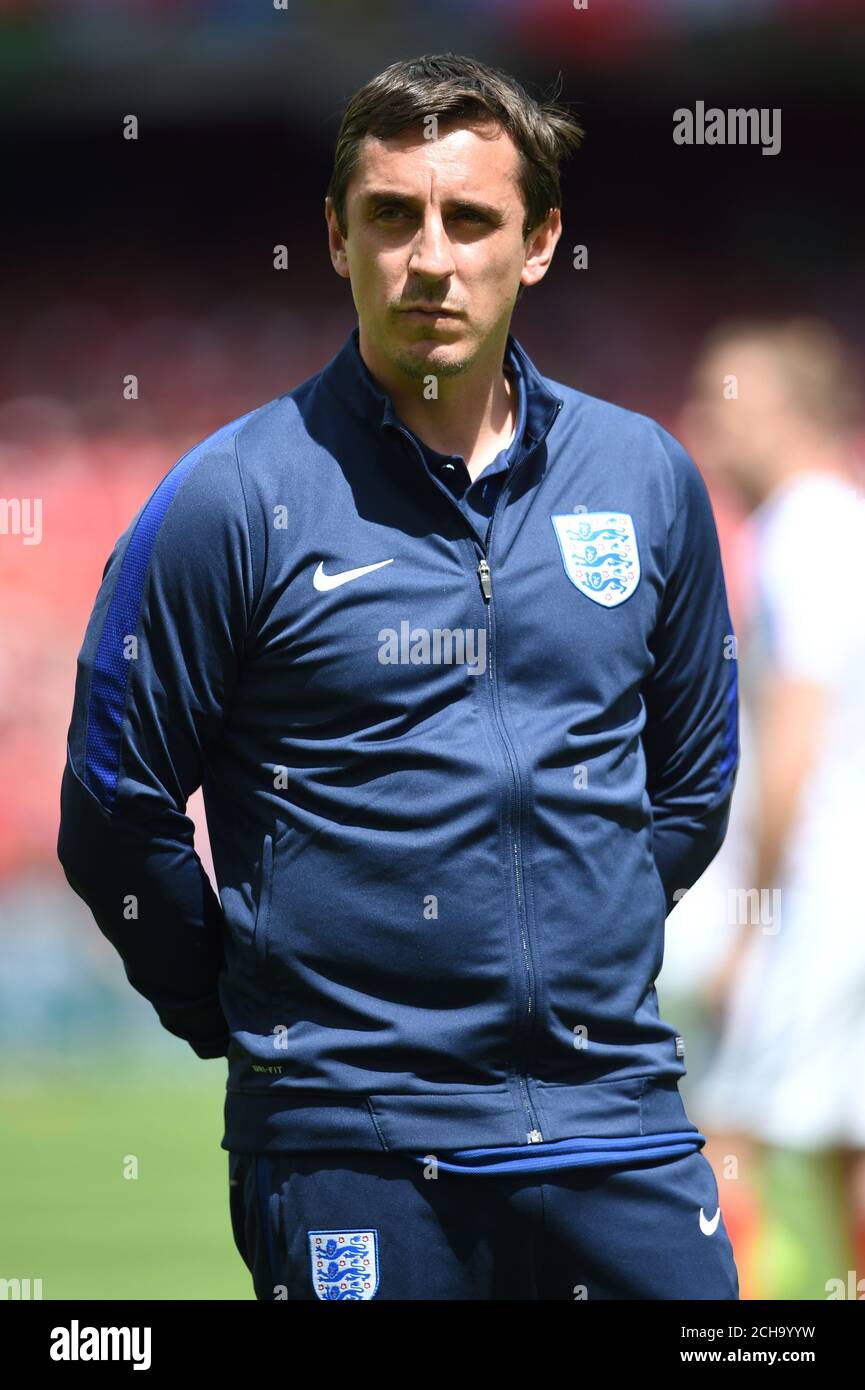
(600,555)
(344,1263)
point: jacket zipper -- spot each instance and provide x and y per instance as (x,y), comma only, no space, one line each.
(533,1135)
(484,572)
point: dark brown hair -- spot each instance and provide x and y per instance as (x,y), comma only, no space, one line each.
(452,88)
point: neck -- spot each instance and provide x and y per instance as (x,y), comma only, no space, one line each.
(819,456)
(474,414)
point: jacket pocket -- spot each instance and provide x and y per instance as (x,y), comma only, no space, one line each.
(265,889)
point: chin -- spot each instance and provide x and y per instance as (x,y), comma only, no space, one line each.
(426,355)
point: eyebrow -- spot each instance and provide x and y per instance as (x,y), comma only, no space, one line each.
(379,197)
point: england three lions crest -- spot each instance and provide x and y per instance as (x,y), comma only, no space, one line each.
(600,555)
(344,1264)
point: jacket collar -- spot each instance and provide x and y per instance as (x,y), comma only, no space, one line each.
(348,378)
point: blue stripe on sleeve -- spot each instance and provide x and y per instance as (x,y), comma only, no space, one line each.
(110,674)
(731,741)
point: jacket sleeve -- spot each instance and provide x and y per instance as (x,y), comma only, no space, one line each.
(691,735)
(155,675)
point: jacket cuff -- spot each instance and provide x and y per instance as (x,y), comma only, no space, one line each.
(202,1024)
(218,1049)
(683,850)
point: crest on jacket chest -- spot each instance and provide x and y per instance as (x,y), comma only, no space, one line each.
(600,554)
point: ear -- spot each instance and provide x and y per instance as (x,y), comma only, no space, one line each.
(540,245)
(335,240)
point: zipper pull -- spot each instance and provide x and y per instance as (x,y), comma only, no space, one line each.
(534,1136)
(486,579)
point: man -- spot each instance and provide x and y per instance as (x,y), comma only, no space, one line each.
(773,406)
(445,643)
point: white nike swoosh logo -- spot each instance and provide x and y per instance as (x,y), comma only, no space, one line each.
(323,582)
(709,1227)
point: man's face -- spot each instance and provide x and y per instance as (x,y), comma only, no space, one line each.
(437,222)
(739,415)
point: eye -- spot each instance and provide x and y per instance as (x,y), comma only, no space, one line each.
(393,211)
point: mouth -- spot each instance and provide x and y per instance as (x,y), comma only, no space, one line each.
(426,314)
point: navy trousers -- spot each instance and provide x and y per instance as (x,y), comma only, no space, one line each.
(361,1226)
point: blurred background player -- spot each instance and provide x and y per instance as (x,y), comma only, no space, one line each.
(772,411)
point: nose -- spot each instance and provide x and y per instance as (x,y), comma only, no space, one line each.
(431,255)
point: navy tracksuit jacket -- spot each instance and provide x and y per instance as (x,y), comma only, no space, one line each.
(460,748)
